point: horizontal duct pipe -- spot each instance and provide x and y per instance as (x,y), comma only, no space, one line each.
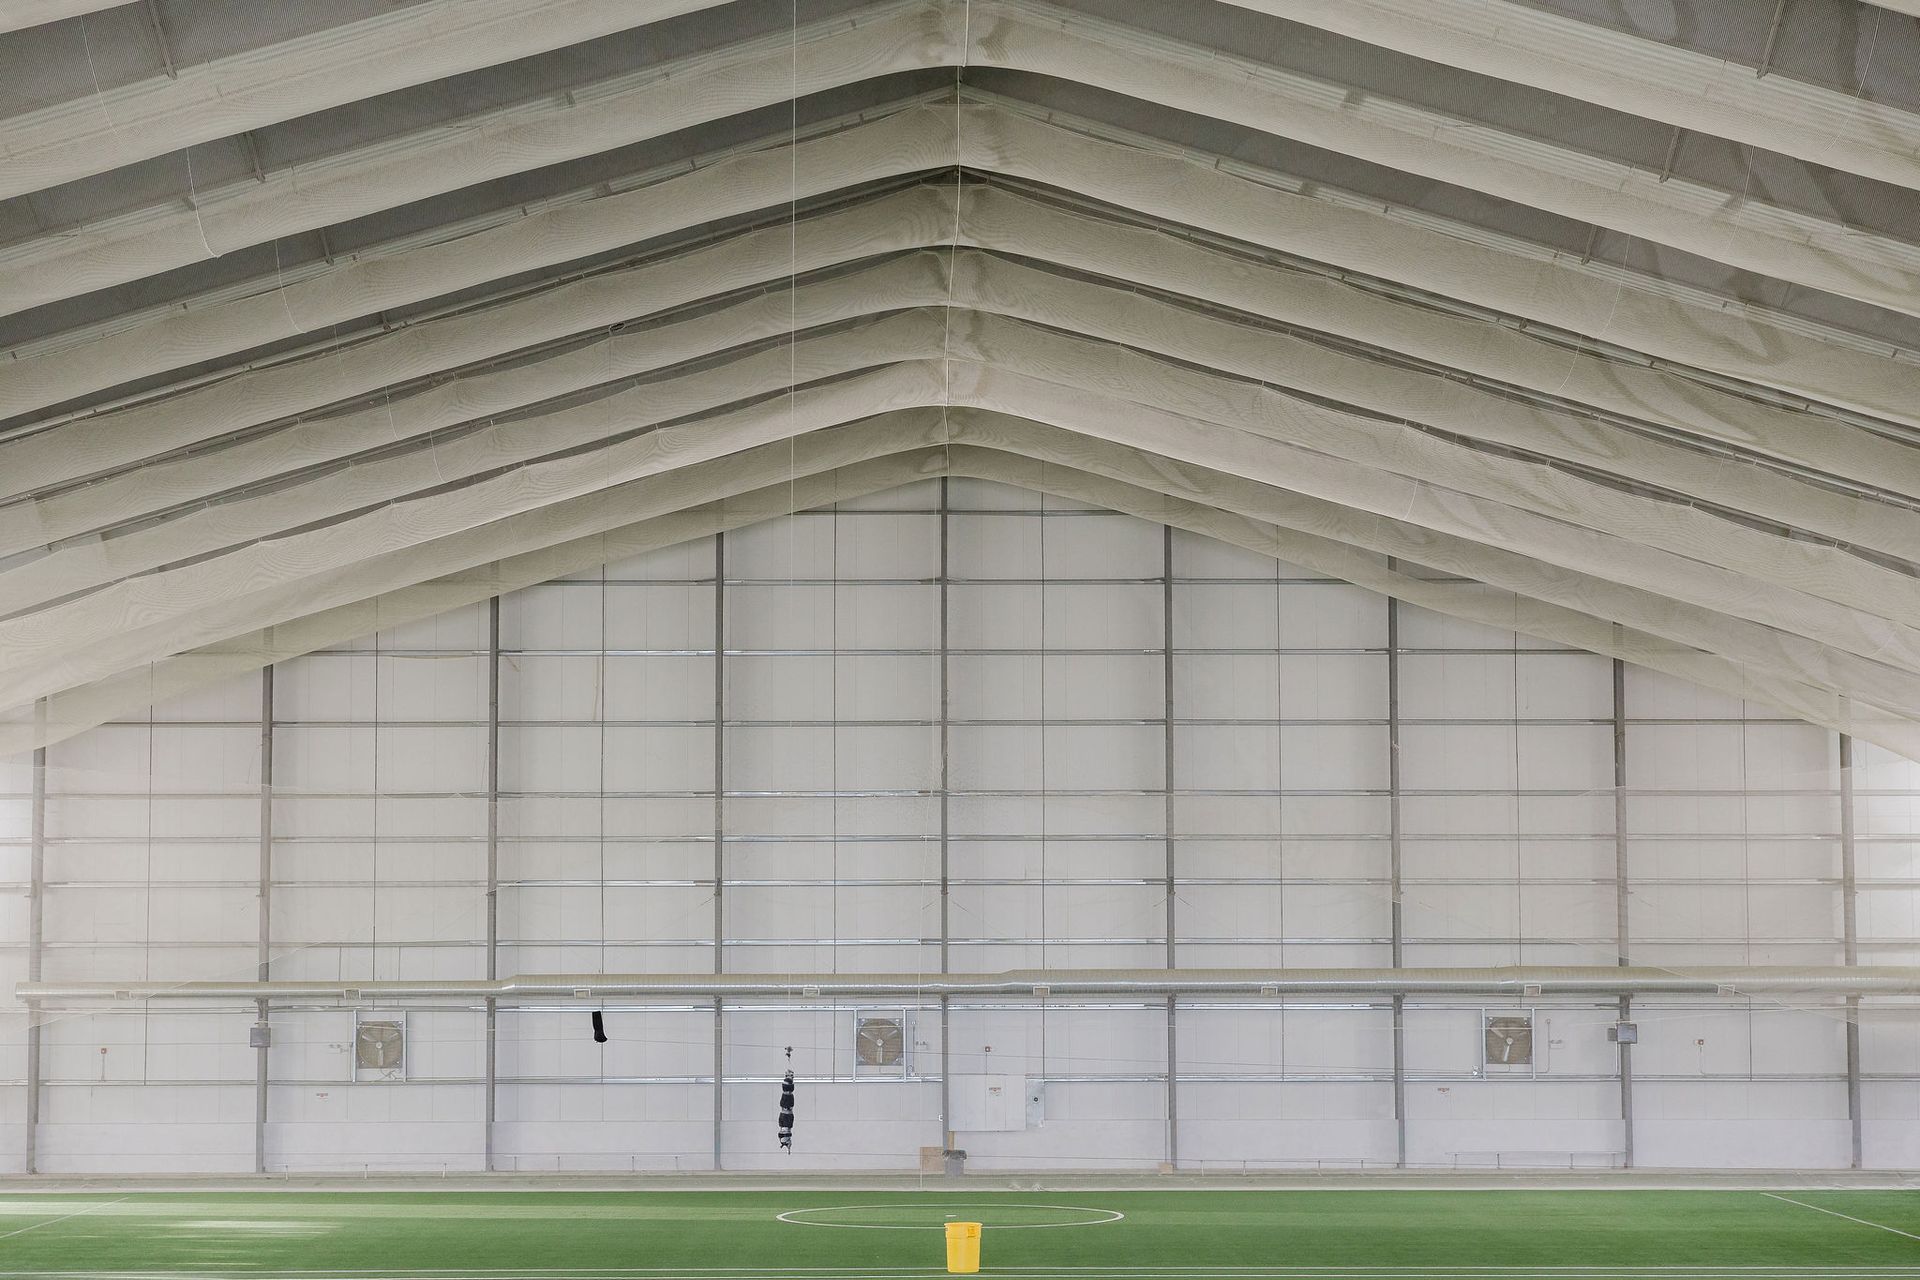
(1520,981)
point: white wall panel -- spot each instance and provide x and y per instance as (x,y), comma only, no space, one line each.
(551,617)
(324,686)
(1563,685)
(1113,616)
(548,1044)
(1331,615)
(1057,857)
(457,629)
(443,687)
(993,546)
(1890,1137)
(821,758)
(887,545)
(180,1129)
(655,616)
(1743,1124)
(1227,686)
(868,686)
(1257,1125)
(315,759)
(355,1128)
(1104,546)
(1240,1040)
(796,912)
(839,1125)
(1333,686)
(843,1121)
(1198,557)
(1513,1124)
(1087,1125)
(652,1127)
(899,860)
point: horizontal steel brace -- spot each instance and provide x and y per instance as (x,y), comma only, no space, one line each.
(1516,981)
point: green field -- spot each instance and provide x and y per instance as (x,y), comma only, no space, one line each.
(1161,1235)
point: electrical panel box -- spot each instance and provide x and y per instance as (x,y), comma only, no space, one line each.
(990,1104)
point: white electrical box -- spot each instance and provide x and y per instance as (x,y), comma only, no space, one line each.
(988,1104)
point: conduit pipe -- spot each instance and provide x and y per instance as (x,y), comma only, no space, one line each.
(1518,981)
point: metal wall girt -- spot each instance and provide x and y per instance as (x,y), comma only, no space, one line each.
(1513,980)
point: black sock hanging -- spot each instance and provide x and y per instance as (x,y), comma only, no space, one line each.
(786,1106)
(599,1028)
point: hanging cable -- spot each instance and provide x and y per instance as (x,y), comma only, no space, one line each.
(953,245)
(600,826)
(793,277)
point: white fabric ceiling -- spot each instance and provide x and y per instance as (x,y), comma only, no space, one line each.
(1602,328)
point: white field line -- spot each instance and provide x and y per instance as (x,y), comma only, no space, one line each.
(1374,1273)
(1332,1273)
(1250,1269)
(63,1217)
(1156,1273)
(1836,1213)
(1020,1273)
(799,1218)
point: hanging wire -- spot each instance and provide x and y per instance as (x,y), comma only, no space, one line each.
(953,246)
(1873,44)
(1046,827)
(600,714)
(193,202)
(793,279)
(373,733)
(793,301)
(1519,842)
(833,737)
(146,967)
(1279,750)
(1746,846)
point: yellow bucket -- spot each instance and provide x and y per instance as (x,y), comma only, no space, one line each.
(963,1248)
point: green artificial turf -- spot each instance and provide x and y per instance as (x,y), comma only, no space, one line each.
(548,1235)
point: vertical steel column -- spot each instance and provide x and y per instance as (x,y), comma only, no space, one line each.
(1850,934)
(36,903)
(946,822)
(264,953)
(1621,905)
(1173,1053)
(493,878)
(719,822)
(1395,874)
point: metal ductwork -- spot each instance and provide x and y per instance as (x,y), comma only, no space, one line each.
(1521,981)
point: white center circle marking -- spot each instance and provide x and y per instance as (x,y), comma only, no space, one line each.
(798,1218)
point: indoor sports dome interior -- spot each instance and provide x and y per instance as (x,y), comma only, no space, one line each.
(960,589)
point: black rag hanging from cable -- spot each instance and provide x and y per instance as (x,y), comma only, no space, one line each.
(786,1104)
